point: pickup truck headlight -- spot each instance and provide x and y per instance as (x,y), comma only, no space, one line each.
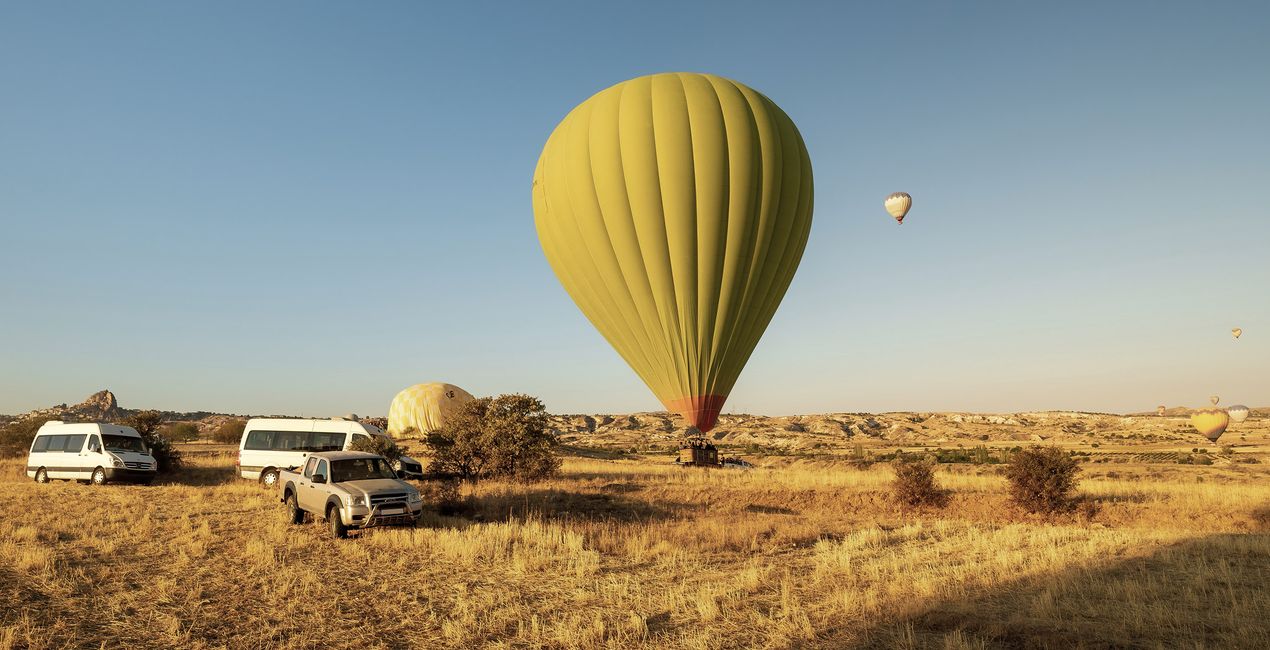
(359,501)
(415,497)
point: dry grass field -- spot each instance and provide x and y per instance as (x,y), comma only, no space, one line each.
(641,553)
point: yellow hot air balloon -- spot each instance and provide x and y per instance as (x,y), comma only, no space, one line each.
(674,208)
(1238,413)
(1237,332)
(1214,399)
(1210,423)
(898,205)
(423,408)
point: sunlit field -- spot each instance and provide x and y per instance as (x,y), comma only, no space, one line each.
(641,553)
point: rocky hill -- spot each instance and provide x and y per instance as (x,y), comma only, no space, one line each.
(784,433)
(839,430)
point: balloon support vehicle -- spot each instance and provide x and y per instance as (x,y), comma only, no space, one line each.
(351,490)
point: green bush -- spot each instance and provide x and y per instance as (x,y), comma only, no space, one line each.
(495,437)
(147,424)
(1042,479)
(180,432)
(377,445)
(230,432)
(16,437)
(915,484)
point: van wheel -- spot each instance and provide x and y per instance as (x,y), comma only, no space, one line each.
(269,478)
(338,530)
(99,476)
(293,509)
(41,476)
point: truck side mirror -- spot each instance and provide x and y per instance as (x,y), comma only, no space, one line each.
(319,478)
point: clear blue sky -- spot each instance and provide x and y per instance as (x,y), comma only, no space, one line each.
(304,207)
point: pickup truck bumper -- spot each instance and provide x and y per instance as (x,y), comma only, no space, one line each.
(363,517)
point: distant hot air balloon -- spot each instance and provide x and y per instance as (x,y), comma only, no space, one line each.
(1237,332)
(674,208)
(1210,423)
(1238,413)
(898,204)
(1214,399)
(1159,410)
(423,408)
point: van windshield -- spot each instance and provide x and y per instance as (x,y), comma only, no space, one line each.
(360,469)
(122,443)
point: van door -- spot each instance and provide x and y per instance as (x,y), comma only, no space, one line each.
(55,458)
(314,494)
(38,457)
(79,461)
(303,484)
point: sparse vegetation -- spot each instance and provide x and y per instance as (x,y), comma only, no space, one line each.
(495,437)
(1042,479)
(616,554)
(915,485)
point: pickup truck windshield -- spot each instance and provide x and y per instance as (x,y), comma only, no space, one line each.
(359,469)
(122,443)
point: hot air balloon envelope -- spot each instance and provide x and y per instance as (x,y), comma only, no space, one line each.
(1238,413)
(1159,410)
(1237,332)
(1210,423)
(898,205)
(674,209)
(423,408)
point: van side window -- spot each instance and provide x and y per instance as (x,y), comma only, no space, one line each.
(75,443)
(56,444)
(308,467)
(94,442)
(323,441)
(259,440)
(41,444)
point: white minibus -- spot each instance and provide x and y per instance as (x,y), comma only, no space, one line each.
(271,444)
(89,451)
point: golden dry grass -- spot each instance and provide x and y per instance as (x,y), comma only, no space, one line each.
(628,554)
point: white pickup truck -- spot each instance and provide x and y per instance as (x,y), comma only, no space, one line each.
(351,490)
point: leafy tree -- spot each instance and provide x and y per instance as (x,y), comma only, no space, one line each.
(1042,479)
(165,454)
(229,432)
(16,437)
(495,437)
(377,445)
(180,432)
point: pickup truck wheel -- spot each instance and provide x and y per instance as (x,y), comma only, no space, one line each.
(41,476)
(269,478)
(293,509)
(338,530)
(99,476)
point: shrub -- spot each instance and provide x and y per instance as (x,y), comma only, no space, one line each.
(1042,479)
(16,437)
(495,437)
(381,445)
(915,485)
(147,424)
(230,432)
(180,432)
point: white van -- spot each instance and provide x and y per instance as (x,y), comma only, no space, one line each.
(271,444)
(90,451)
